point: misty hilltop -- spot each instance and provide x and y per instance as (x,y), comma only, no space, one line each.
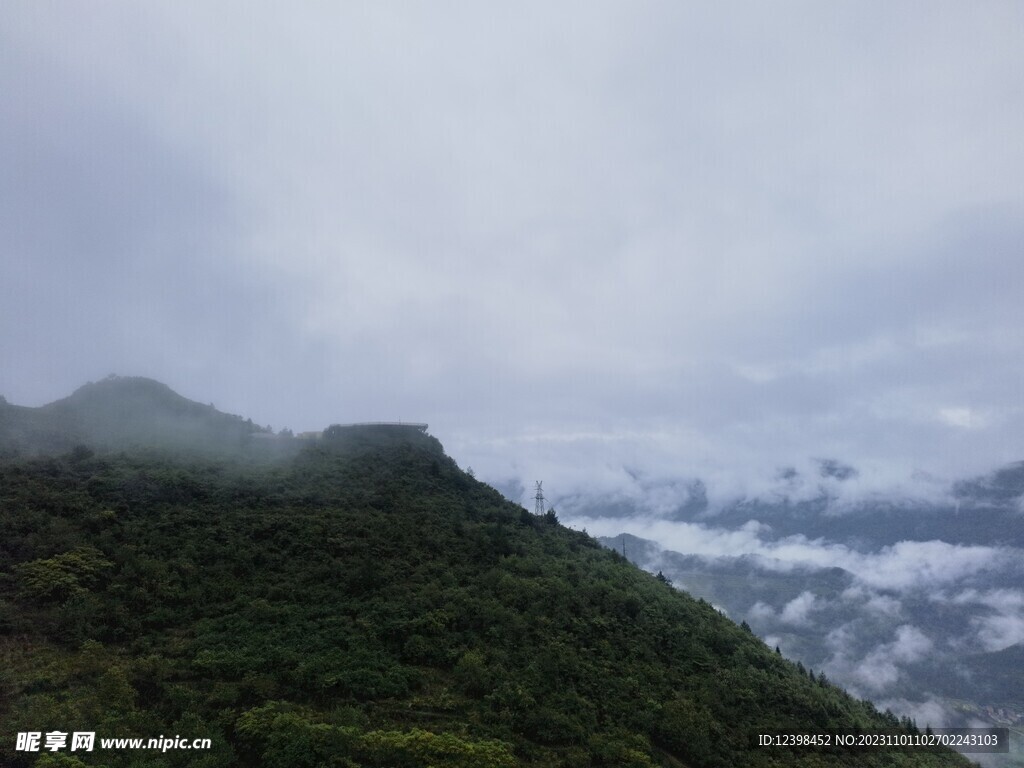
(119,413)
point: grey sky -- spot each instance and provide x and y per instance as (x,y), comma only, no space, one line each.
(699,239)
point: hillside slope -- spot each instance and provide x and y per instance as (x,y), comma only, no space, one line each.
(366,603)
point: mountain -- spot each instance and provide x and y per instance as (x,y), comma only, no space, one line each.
(916,646)
(966,518)
(364,602)
(120,413)
(996,678)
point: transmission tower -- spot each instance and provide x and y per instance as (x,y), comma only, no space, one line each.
(538,500)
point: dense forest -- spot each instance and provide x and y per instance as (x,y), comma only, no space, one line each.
(364,602)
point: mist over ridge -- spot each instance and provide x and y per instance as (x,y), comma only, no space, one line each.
(126,409)
(701,244)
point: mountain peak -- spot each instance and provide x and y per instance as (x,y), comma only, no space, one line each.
(135,387)
(121,412)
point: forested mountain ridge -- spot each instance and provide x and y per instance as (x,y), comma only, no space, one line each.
(366,603)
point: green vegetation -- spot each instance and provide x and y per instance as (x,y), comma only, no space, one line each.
(366,603)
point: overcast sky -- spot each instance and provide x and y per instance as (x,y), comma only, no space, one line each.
(695,239)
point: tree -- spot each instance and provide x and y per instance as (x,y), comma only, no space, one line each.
(63,575)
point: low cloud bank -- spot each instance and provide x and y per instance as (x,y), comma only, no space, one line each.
(900,567)
(659,471)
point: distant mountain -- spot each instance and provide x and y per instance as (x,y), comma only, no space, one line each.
(996,678)
(967,519)
(1004,487)
(120,413)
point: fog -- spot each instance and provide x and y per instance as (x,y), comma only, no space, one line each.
(691,242)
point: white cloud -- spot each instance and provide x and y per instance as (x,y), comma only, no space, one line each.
(839,639)
(881,604)
(903,566)
(798,610)
(911,644)
(877,671)
(1000,627)
(1001,631)
(760,612)
(884,604)
(928,563)
(1003,600)
(965,418)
